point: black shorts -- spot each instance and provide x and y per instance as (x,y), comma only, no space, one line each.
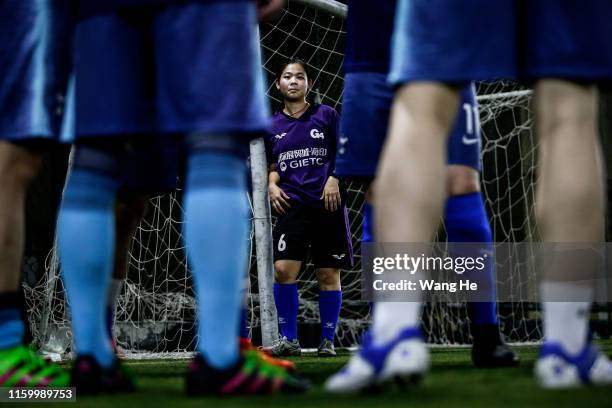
(327,233)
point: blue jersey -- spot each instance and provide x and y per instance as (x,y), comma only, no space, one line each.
(304,150)
(368,42)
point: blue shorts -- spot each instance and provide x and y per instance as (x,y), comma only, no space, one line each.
(460,41)
(181,68)
(365,116)
(35,55)
(151,164)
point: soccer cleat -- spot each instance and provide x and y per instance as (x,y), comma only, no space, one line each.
(88,377)
(556,369)
(20,366)
(403,360)
(284,347)
(489,349)
(246,345)
(250,375)
(326,349)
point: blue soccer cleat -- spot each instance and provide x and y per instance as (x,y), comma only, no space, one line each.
(403,360)
(556,369)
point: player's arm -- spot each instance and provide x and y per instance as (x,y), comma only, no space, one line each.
(279,199)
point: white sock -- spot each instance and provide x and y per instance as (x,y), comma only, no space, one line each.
(566,323)
(114,290)
(392,317)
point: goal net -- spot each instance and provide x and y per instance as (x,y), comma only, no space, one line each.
(156,310)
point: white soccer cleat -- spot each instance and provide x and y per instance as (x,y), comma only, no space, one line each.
(555,369)
(356,376)
(404,360)
(406,363)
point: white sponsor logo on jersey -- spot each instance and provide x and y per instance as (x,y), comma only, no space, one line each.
(280,136)
(339,256)
(283,166)
(343,140)
(315,134)
(467,141)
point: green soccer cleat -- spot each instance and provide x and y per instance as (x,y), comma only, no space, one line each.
(250,375)
(20,366)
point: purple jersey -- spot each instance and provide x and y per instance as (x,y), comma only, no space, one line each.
(304,150)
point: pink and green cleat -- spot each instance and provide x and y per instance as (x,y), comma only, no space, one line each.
(20,366)
(250,375)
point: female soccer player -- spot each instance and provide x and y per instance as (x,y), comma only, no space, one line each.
(308,199)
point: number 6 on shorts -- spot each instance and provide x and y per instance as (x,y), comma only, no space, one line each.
(282,245)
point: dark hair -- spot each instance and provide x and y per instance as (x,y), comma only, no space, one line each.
(293,60)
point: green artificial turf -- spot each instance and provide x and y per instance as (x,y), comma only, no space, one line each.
(451,382)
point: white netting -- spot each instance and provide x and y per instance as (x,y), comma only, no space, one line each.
(508,173)
(156,310)
(508,180)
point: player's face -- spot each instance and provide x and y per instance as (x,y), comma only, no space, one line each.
(293,83)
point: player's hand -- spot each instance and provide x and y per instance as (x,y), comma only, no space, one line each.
(268,10)
(278,198)
(331,194)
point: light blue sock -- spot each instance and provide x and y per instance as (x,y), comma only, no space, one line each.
(86,232)
(466,221)
(216,232)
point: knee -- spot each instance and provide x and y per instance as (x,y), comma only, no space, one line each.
(24,172)
(564,105)
(329,279)
(462,180)
(434,104)
(285,272)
